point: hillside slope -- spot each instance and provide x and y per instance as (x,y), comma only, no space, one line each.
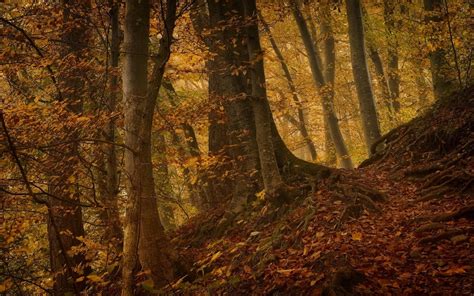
(416,238)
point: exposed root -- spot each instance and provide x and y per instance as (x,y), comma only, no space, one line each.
(466,212)
(356,196)
(433,194)
(343,282)
(448,234)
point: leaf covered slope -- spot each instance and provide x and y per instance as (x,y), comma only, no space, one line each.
(420,241)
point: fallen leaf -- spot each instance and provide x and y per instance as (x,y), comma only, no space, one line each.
(285,271)
(454,271)
(357,236)
(94,278)
(215,256)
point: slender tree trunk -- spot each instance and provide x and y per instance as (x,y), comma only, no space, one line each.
(272,179)
(144,234)
(360,71)
(442,75)
(189,146)
(392,64)
(108,174)
(329,71)
(422,86)
(382,81)
(327,41)
(301,124)
(65,224)
(162,183)
(327,99)
(134,83)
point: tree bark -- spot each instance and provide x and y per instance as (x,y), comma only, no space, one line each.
(323,87)
(162,183)
(329,71)
(213,185)
(360,71)
(107,184)
(301,124)
(441,72)
(231,59)
(383,83)
(144,234)
(272,179)
(392,52)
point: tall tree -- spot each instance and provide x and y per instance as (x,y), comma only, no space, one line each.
(443,75)
(144,234)
(324,89)
(107,182)
(392,26)
(227,22)
(272,179)
(65,225)
(329,71)
(301,123)
(360,71)
(382,81)
(229,61)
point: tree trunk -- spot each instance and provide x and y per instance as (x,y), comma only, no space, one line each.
(321,85)
(162,183)
(144,234)
(392,64)
(233,90)
(65,224)
(360,71)
(108,174)
(301,124)
(382,81)
(214,185)
(329,69)
(188,146)
(441,72)
(272,180)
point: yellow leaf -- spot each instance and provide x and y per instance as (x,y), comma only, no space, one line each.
(316,255)
(357,236)
(285,271)
(94,278)
(215,256)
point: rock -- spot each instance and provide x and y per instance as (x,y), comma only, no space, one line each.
(459,239)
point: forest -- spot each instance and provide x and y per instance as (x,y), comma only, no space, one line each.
(236,147)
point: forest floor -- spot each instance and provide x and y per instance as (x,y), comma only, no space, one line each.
(418,241)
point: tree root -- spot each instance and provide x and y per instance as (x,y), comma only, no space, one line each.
(357,197)
(422,171)
(448,234)
(435,194)
(343,282)
(466,212)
